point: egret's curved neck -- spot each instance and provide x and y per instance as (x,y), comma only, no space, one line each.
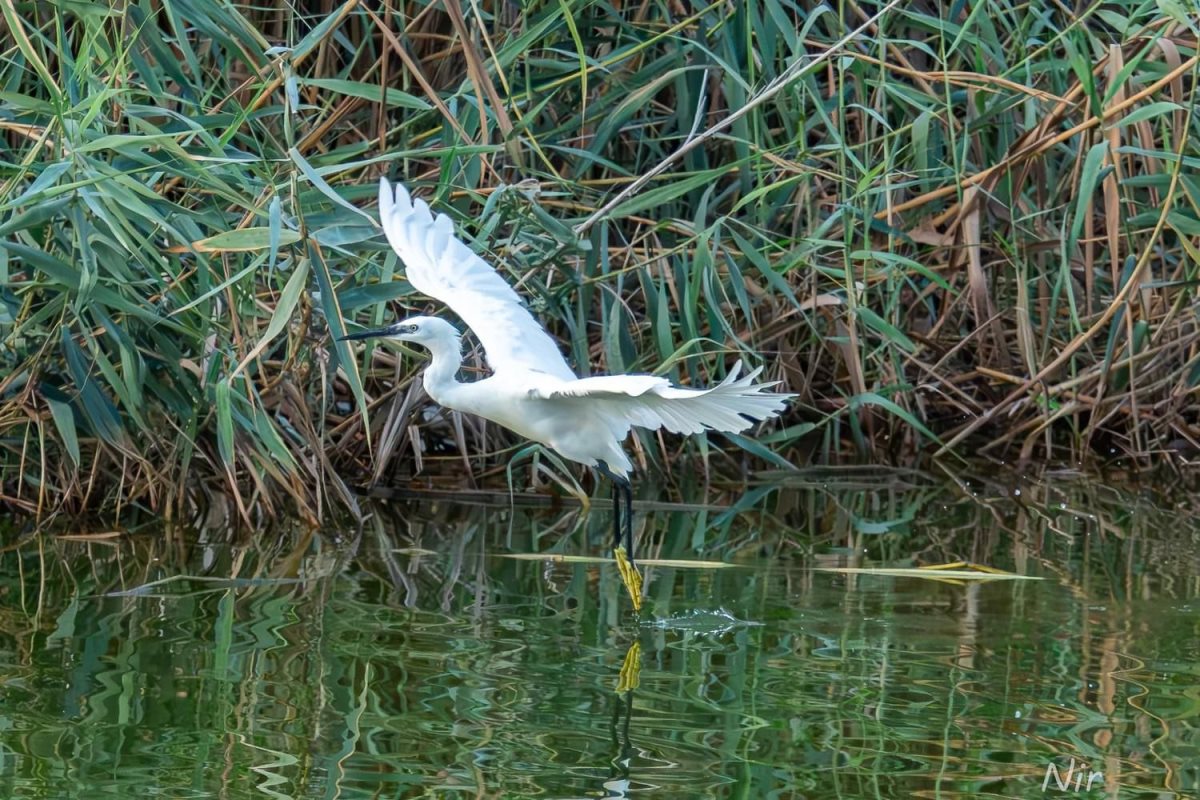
(441,376)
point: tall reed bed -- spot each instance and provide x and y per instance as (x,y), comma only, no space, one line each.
(948,227)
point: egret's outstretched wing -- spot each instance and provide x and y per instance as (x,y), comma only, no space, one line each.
(436,263)
(647,401)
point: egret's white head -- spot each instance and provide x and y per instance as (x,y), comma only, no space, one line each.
(426,331)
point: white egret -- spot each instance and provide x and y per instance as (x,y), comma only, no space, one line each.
(531,390)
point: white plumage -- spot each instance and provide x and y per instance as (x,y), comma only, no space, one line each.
(437,264)
(532,390)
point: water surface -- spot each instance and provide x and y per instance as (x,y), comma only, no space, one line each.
(414,659)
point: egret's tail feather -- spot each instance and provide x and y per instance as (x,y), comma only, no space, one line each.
(732,405)
(647,401)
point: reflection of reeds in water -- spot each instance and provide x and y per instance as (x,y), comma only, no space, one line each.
(409,659)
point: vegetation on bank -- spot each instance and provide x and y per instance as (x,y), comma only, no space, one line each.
(947,227)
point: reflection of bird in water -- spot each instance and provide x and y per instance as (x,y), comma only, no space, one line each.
(532,391)
(619,783)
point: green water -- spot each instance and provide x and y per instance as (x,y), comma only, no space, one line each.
(413,659)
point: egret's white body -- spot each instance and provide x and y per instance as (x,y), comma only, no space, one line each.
(581,419)
(532,391)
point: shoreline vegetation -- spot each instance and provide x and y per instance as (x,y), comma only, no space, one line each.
(952,229)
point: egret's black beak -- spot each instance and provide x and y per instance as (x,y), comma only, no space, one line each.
(349,337)
(395,329)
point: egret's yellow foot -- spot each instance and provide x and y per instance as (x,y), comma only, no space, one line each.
(631,669)
(629,576)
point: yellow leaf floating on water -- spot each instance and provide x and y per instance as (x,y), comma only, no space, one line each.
(559,558)
(937,572)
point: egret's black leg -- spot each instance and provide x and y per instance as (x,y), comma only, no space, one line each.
(626,489)
(613,481)
(616,504)
(623,490)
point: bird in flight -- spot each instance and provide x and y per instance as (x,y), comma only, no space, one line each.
(531,390)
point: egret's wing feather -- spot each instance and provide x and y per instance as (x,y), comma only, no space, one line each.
(647,401)
(437,264)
